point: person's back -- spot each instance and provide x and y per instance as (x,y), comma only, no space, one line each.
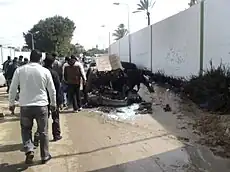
(20,62)
(73,73)
(34,80)
(56,131)
(36,76)
(11,69)
(6,64)
(57,66)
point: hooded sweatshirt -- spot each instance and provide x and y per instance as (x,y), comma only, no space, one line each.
(73,72)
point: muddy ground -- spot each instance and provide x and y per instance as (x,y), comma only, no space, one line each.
(100,142)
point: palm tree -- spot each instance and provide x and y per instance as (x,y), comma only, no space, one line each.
(192,2)
(120,32)
(145,5)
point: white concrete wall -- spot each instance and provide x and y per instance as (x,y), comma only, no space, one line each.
(5,52)
(141,48)
(115,48)
(176,48)
(124,48)
(216,32)
(24,54)
(175,45)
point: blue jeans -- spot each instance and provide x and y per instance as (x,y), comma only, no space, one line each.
(64,90)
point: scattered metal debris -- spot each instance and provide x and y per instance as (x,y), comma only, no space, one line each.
(167,108)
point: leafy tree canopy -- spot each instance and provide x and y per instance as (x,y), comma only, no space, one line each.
(52,34)
(146,6)
(76,49)
(25,48)
(93,51)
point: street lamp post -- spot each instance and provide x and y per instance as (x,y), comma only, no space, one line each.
(1,53)
(129,36)
(10,50)
(32,40)
(128,9)
(109,51)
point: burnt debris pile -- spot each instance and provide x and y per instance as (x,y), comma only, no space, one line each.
(116,87)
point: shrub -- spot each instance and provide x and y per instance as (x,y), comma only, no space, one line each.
(209,91)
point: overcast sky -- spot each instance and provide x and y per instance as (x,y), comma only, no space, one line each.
(17,16)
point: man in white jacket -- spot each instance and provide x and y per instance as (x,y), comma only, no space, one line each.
(34,81)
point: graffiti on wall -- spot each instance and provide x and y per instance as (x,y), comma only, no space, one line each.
(175,58)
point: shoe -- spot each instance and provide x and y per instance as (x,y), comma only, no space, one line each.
(75,111)
(44,161)
(57,138)
(29,157)
(66,108)
(80,109)
(60,108)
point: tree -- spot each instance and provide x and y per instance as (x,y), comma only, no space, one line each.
(145,6)
(52,34)
(93,51)
(76,49)
(17,49)
(193,2)
(25,48)
(120,32)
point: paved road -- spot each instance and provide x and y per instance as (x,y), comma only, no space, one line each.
(93,144)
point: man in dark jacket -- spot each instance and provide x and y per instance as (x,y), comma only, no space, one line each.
(5,67)
(73,73)
(10,71)
(6,64)
(56,131)
(20,61)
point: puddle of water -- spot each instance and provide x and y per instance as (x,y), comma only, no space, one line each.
(124,113)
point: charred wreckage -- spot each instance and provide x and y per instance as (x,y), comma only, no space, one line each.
(111,82)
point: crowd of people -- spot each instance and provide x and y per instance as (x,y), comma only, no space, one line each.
(9,67)
(44,87)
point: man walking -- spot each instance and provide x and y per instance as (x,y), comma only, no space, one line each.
(5,67)
(64,86)
(6,64)
(57,66)
(10,71)
(73,73)
(20,61)
(34,81)
(56,131)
